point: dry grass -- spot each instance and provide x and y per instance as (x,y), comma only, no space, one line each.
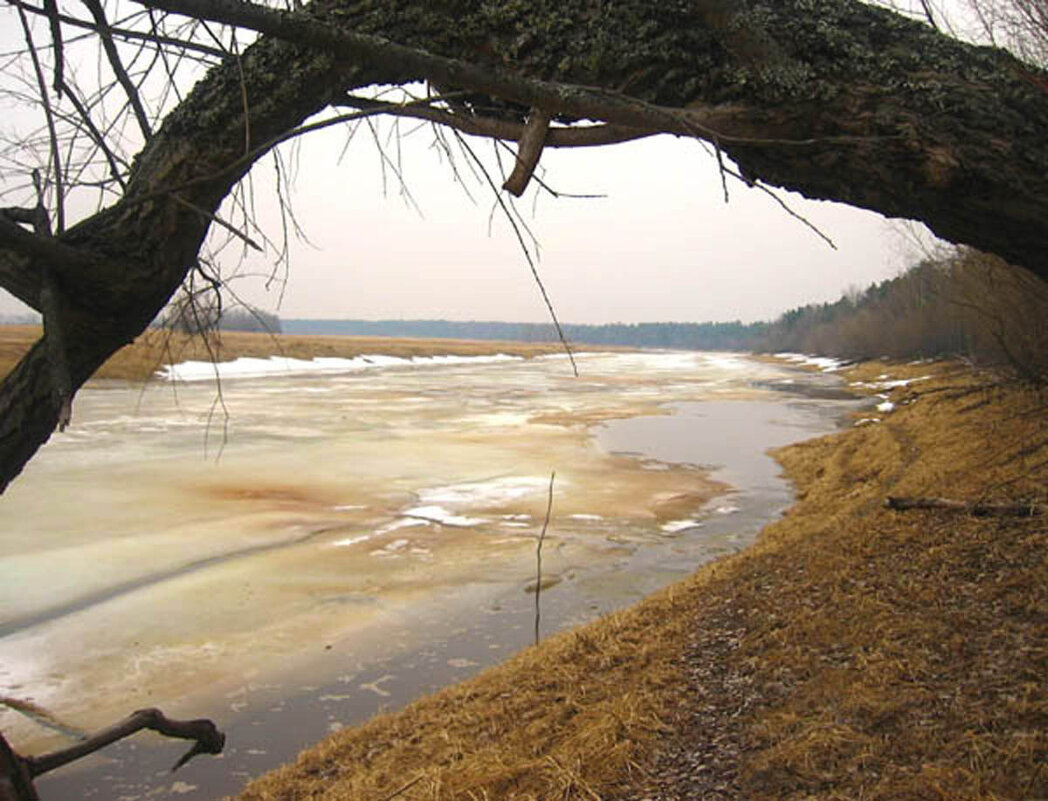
(854,652)
(138,361)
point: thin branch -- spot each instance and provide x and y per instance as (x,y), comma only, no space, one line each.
(527,253)
(538,556)
(106,38)
(49,117)
(51,9)
(247,240)
(124,33)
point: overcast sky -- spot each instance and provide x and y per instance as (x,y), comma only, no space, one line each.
(660,245)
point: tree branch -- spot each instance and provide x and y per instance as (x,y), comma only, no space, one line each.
(529,151)
(493,128)
(106,37)
(206,736)
(726,122)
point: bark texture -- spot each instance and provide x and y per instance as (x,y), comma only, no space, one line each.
(832,98)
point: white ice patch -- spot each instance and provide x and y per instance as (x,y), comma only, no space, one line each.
(438,514)
(725,362)
(674,526)
(867,420)
(345,542)
(250,367)
(485,493)
(726,509)
(885,407)
(392,549)
(586,517)
(824,363)
(404,522)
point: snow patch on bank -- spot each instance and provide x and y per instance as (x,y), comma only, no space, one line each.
(824,363)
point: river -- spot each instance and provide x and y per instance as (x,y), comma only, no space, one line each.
(288,552)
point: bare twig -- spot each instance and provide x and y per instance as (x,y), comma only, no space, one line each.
(538,557)
(106,38)
(56,161)
(403,788)
(527,253)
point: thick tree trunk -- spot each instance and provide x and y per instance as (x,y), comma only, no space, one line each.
(832,98)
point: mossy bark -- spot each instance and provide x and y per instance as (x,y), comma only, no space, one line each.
(832,98)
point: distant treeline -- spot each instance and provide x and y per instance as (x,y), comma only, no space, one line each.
(691,336)
(960,303)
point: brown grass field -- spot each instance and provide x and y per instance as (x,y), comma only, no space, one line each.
(138,361)
(853,653)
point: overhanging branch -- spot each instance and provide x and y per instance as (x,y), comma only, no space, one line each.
(492,128)
(724,122)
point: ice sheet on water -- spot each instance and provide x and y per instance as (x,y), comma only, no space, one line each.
(482,494)
(674,526)
(253,367)
(438,514)
(726,361)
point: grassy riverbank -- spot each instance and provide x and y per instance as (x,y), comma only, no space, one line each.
(139,360)
(853,652)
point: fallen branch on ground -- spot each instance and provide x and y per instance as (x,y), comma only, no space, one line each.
(977,509)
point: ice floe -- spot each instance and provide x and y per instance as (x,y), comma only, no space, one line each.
(253,367)
(726,362)
(438,514)
(494,492)
(345,542)
(675,526)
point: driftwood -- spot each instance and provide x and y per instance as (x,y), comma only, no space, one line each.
(977,509)
(17,772)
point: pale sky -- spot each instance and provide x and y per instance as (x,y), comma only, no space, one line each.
(662,245)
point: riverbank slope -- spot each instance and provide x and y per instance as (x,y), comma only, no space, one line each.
(853,652)
(156,348)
